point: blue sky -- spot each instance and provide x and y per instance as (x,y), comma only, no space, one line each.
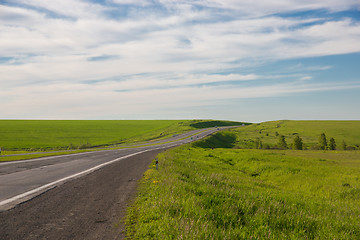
(179,59)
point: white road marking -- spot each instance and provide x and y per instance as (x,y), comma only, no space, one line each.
(52,184)
(50,157)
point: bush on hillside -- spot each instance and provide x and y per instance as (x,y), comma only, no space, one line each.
(218,140)
(298,144)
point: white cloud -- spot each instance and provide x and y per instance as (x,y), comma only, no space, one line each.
(74,101)
(172,56)
(305,78)
(69,8)
(133,2)
(17,16)
(65,47)
(265,7)
(335,37)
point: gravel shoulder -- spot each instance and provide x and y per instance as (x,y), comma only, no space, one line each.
(90,207)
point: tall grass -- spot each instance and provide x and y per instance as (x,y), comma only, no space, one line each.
(248,194)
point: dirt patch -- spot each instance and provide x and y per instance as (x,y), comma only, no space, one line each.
(90,207)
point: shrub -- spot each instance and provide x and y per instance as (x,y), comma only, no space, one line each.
(344,146)
(322,142)
(298,144)
(332,144)
(282,142)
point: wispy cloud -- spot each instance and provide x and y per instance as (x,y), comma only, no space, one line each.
(102,58)
(30,99)
(132,2)
(175,49)
(65,8)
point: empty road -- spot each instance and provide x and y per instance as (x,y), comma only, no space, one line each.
(76,196)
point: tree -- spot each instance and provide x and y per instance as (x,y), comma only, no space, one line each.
(332,144)
(344,146)
(282,142)
(322,142)
(258,144)
(298,144)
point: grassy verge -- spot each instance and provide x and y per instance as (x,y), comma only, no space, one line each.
(222,193)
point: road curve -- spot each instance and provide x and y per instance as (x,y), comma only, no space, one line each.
(90,206)
(22,180)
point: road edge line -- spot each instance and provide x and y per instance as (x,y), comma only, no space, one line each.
(63,180)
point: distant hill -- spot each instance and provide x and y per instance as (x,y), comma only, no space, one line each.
(215,123)
(72,134)
(266,134)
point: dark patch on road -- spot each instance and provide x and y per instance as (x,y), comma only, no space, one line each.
(90,207)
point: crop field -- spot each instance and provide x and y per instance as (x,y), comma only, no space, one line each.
(75,134)
(213,190)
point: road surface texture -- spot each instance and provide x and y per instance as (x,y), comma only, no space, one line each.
(78,196)
(90,207)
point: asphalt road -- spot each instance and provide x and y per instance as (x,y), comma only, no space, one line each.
(78,196)
(23,180)
(88,207)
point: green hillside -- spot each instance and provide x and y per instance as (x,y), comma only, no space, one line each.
(211,190)
(222,193)
(268,133)
(61,134)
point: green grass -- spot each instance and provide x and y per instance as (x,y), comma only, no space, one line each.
(59,134)
(218,140)
(25,134)
(309,131)
(216,189)
(219,193)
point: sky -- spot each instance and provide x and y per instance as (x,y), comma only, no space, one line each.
(239,60)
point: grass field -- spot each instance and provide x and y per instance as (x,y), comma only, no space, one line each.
(25,134)
(59,134)
(309,131)
(249,194)
(213,190)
